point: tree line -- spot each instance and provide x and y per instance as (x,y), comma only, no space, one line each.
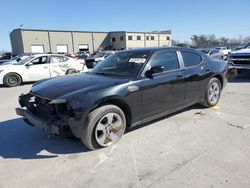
(204,41)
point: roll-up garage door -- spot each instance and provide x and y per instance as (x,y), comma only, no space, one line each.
(62,48)
(37,49)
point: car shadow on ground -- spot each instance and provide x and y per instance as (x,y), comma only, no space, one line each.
(18,140)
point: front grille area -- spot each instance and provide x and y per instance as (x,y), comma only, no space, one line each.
(40,107)
(241,62)
(43,109)
(241,57)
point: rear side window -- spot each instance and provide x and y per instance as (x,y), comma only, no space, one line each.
(191,59)
(168,60)
(58,59)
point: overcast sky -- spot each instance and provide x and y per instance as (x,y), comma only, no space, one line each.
(184,18)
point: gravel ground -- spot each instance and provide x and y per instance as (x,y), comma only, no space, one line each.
(194,148)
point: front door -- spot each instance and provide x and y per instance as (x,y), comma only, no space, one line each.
(164,92)
(38,68)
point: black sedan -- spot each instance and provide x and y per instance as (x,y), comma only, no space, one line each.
(128,88)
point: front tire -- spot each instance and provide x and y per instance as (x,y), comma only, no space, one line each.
(104,127)
(12,80)
(212,94)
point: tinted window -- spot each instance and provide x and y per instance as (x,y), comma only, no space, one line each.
(191,59)
(214,51)
(130,38)
(40,60)
(152,38)
(113,39)
(138,37)
(168,60)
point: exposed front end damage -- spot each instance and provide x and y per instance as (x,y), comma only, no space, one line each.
(56,117)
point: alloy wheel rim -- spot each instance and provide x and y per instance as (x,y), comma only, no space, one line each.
(12,80)
(214,92)
(109,129)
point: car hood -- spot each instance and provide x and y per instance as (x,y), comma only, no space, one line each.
(6,66)
(241,51)
(66,86)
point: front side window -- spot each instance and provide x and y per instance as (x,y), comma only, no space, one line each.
(191,59)
(39,60)
(122,64)
(168,60)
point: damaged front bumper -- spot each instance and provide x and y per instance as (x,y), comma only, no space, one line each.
(33,120)
(55,119)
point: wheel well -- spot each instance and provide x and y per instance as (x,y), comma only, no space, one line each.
(219,77)
(71,69)
(122,105)
(14,73)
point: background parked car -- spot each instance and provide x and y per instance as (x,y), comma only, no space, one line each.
(5,57)
(92,61)
(224,50)
(241,59)
(38,67)
(214,53)
(15,59)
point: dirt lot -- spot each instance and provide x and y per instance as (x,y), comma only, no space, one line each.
(195,148)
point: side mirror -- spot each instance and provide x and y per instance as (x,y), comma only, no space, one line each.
(29,64)
(154,70)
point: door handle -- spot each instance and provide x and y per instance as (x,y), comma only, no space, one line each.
(179,76)
(207,70)
(45,67)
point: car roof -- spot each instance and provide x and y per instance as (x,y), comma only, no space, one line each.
(39,55)
(154,49)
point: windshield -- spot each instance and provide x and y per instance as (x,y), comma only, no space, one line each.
(124,64)
(25,60)
(248,45)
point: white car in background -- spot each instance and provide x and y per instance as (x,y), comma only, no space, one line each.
(38,67)
(224,50)
(214,53)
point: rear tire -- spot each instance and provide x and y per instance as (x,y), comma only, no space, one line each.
(71,71)
(12,80)
(104,127)
(212,94)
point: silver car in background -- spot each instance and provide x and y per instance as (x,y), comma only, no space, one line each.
(214,53)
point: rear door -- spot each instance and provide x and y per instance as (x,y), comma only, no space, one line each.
(164,91)
(196,74)
(38,68)
(59,65)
